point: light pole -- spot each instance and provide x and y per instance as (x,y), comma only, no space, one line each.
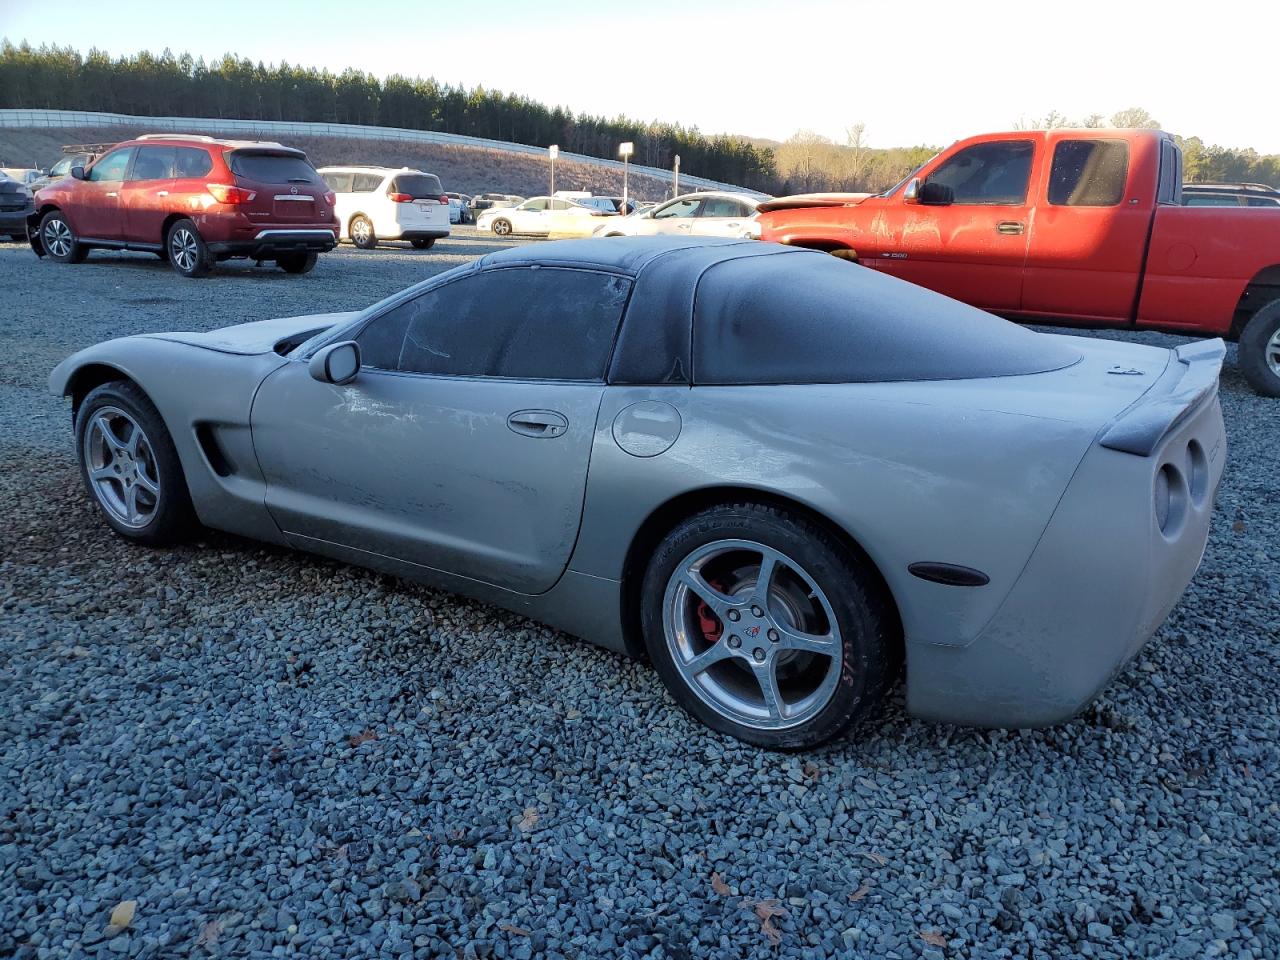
(553,151)
(675,178)
(625,150)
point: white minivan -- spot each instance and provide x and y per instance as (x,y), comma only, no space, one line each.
(381,203)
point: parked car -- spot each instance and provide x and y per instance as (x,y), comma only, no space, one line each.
(705,214)
(1229,195)
(489,201)
(16,206)
(611,205)
(24,175)
(459,207)
(73,155)
(540,217)
(1066,226)
(385,203)
(191,200)
(798,477)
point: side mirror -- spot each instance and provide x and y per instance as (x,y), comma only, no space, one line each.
(337,363)
(936,194)
(77,172)
(912,193)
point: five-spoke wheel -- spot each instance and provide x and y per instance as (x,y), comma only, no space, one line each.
(764,624)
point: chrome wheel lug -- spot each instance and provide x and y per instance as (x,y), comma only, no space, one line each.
(773,636)
(758,654)
(735,616)
(757,612)
(734,642)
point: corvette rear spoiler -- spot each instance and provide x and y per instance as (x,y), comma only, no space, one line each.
(813,200)
(1189,381)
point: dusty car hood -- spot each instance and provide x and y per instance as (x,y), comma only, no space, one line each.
(260,336)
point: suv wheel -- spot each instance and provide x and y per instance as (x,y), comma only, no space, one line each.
(300,262)
(362,234)
(1259,355)
(188,252)
(59,241)
(423,244)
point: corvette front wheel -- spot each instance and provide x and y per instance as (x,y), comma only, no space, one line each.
(130,466)
(766,627)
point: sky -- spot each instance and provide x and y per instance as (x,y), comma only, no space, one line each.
(926,72)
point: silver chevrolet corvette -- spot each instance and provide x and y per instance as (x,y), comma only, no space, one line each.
(777,475)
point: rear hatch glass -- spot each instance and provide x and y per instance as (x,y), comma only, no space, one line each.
(420,186)
(287,185)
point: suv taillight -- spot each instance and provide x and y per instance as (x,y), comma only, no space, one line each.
(444,199)
(225,194)
(331,198)
(400,197)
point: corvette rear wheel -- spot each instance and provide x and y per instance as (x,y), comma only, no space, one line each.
(361,231)
(59,241)
(764,626)
(130,466)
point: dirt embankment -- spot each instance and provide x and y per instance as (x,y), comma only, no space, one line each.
(463,169)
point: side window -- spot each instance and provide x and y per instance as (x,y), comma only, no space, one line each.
(1088,173)
(366,182)
(1169,189)
(988,173)
(153,163)
(112,166)
(679,208)
(721,207)
(510,323)
(563,205)
(191,162)
(339,182)
(539,204)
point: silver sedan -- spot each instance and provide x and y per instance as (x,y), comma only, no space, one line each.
(776,475)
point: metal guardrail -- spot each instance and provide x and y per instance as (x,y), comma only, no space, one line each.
(13,118)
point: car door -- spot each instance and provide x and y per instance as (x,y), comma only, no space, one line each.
(530,216)
(972,243)
(1088,239)
(144,197)
(96,213)
(463,443)
(675,217)
(721,217)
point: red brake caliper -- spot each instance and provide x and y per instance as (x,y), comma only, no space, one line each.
(708,622)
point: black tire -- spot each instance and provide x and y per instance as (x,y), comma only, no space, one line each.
(300,262)
(502,227)
(423,244)
(170,518)
(870,636)
(361,232)
(1259,350)
(59,240)
(188,254)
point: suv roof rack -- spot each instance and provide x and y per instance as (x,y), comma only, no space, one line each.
(176,136)
(1250,187)
(74,148)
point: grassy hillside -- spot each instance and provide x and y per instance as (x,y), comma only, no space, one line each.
(462,169)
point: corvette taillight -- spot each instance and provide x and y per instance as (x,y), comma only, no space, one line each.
(225,194)
(400,197)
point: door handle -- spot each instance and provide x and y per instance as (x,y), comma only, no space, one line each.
(162,193)
(538,423)
(112,193)
(1010,227)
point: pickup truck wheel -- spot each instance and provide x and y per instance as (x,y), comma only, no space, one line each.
(1260,350)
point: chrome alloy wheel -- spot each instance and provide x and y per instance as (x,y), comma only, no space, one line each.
(1272,353)
(57,238)
(122,467)
(752,634)
(361,231)
(183,248)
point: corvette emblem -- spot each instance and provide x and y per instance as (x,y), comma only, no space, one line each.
(1125,372)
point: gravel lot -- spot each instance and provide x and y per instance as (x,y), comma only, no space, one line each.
(275,755)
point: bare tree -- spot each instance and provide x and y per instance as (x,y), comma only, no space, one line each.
(1135,117)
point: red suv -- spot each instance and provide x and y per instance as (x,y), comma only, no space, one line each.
(192,201)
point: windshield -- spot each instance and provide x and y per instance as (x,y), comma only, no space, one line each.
(420,186)
(274,168)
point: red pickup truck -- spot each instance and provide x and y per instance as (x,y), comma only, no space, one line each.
(1080,227)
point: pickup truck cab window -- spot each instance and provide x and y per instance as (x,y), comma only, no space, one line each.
(1088,173)
(993,173)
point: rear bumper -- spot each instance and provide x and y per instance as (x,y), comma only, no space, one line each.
(273,241)
(1101,581)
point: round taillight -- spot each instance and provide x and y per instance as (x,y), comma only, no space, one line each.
(1197,472)
(1169,500)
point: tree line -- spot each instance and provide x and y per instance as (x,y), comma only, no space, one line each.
(61,78)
